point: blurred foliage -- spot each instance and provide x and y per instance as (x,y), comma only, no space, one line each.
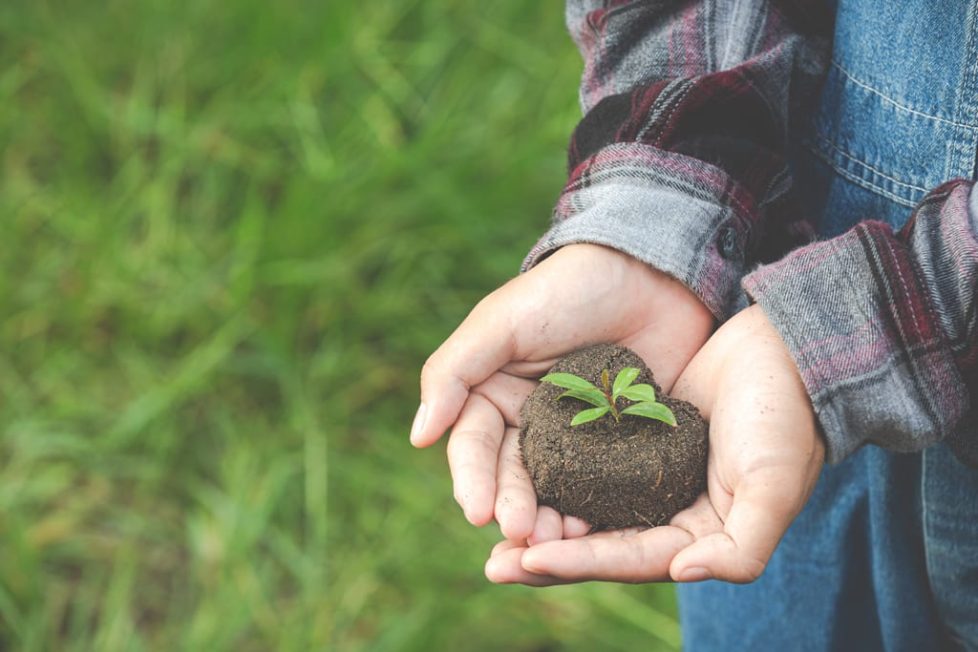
(232,233)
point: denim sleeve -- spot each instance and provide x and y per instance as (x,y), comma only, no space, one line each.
(883,327)
(680,158)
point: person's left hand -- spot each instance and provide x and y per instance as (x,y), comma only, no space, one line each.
(765,457)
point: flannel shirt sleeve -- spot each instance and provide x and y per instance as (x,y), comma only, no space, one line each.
(883,327)
(680,159)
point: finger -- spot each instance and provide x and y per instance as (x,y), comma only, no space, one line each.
(504,545)
(530,368)
(504,567)
(507,393)
(621,557)
(699,519)
(516,501)
(479,346)
(473,451)
(549,526)
(575,527)
(762,509)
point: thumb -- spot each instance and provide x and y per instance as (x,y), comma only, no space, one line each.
(764,504)
(479,347)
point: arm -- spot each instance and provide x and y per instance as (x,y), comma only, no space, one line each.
(680,159)
(887,342)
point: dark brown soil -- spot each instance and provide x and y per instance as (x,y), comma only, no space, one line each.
(639,472)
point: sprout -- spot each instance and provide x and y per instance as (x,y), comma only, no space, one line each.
(605,400)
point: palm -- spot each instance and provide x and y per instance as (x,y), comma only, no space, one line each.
(479,378)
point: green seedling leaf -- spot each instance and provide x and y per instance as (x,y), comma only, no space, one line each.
(568,381)
(641,392)
(652,411)
(592,396)
(624,378)
(589,415)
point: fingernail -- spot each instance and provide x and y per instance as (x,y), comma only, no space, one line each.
(418,424)
(493,571)
(531,562)
(695,574)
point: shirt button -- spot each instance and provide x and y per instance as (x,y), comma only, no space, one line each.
(727,243)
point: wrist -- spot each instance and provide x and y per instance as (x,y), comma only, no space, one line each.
(635,278)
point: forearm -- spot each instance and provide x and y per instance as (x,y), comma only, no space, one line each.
(882,326)
(680,159)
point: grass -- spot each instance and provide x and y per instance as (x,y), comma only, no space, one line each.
(232,234)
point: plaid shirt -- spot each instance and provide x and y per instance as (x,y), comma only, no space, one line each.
(681,161)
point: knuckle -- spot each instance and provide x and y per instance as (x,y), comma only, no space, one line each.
(452,448)
(471,444)
(750,571)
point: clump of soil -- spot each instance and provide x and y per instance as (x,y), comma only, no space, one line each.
(636,472)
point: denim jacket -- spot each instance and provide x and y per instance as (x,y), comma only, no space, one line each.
(898,114)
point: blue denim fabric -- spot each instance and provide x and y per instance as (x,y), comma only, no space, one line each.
(885,554)
(884,557)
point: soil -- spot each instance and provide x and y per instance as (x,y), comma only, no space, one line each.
(636,472)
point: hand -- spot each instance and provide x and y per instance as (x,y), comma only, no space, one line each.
(479,378)
(765,457)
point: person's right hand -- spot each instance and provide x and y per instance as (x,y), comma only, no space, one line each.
(477,380)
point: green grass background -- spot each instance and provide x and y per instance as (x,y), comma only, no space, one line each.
(231,233)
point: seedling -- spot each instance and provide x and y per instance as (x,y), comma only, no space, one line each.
(605,400)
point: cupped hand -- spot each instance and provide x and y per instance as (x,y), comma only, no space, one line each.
(765,457)
(477,380)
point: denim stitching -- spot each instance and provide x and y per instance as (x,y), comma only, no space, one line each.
(859,181)
(970,82)
(869,167)
(835,148)
(925,512)
(898,105)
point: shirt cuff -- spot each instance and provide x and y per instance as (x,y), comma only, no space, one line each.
(964,440)
(859,322)
(680,215)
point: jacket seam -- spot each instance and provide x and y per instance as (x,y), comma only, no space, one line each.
(856,179)
(858,82)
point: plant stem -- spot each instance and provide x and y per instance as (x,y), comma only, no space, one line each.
(606,383)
